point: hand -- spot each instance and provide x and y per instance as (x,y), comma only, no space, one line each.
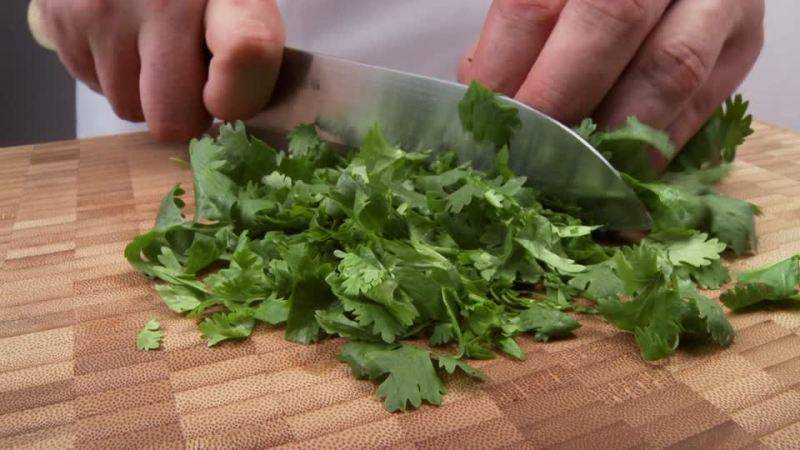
(149,57)
(670,63)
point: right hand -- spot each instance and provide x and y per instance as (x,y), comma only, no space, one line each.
(148,57)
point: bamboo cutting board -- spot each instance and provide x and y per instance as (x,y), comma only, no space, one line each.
(70,307)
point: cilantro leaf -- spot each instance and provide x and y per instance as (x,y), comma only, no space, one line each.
(560,263)
(149,338)
(545,323)
(450,364)
(510,347)
(733,222)
(637,268)
(171,210)
(486,118)
(775,283)
(310,292)
(222,326)
(706,317)
(335,321)
(273,311)
(179,298)
(719,138)
(697,250)
(303,139)
(626,147)
(712,276)
(598,281)
(654,317)
(214,192)
(408,375)
(246,159)
(360,273)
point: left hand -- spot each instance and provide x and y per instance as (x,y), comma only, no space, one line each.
(670,63)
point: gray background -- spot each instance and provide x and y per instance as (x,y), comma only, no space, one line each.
(37,96)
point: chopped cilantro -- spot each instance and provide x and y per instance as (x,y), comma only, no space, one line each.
(149,338)
(381,247)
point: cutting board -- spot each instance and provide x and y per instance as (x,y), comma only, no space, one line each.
(70,308)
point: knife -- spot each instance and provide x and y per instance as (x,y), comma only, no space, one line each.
(344,99)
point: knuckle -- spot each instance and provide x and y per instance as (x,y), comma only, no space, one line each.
(126,110)
(50,10)
(545,97)
(675,68)
(530,10)
(252,41)
(94,9)
(627,13)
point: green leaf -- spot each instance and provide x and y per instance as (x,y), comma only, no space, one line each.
(303,139)
(697,250)
(451,363)
(310,292)
(221,326)
(463,196)
(627,147)
(712,276)
(376,153)
(545,323)
(598,281)
(654,317)
(334,321)
(179,298)
(443,333)
(706,317)
(376,318)
(586,128)
(733,222)
(360,273)
(214,192)
(408,375)
(149,338)
(246,158)
(774,283)
(171,210)
(483,115)
(243,281)
(203,251)
(273,311)
(671,206)
(637,268)
(560,263)
(510,347)
(719,138)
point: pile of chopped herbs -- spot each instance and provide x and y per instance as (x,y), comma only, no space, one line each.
(421,262)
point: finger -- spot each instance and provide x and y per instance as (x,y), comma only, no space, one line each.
(512,37)
(674,62)
(464,67)
(116,61)
(64,28)
(735,62)
(591,44)
(246,41)
(173,69)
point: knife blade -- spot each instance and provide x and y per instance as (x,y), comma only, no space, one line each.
(416,113)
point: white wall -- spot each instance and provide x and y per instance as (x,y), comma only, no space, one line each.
(773,87)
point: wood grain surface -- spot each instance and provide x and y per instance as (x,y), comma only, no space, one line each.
(70,307)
